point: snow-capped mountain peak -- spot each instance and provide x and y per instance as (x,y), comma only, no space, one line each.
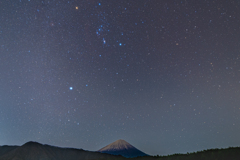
(121,147)
(117,145)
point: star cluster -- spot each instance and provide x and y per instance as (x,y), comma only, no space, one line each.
(163,75)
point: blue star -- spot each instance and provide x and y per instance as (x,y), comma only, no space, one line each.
(104,41)
(71,88)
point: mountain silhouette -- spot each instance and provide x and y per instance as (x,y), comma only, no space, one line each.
(37,151)
(123,148)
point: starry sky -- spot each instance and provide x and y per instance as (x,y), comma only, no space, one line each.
(162,75)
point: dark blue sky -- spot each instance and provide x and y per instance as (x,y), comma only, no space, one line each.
(162,75)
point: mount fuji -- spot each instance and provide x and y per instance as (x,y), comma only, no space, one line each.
(123,148)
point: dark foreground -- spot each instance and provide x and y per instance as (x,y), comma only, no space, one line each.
(37,151)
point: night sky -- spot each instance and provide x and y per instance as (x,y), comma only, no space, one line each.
(164,75)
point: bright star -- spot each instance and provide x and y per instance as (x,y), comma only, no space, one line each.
(71,88)
(104,41)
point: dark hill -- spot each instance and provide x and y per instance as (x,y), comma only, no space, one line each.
(232,153)
(37,151)
(5,149)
